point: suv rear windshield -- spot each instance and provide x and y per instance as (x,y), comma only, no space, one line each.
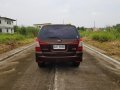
(58,32)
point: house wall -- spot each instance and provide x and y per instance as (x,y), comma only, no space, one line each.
(4,23)
(6,30)
(6,27)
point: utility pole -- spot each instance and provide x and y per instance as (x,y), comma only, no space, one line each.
(94,26)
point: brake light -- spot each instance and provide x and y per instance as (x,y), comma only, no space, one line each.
(80,45)
(37,43)
(37,47)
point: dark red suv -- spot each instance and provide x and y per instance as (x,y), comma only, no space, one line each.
(59,43)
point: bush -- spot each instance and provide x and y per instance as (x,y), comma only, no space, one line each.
(109,33)
(26,31)
(103,36)
(7,38)
(21,33)
(84,34)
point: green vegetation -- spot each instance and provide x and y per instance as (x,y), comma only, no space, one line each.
(10,38)
(26,31)
(104,34)
(106,39)
(22,36)
(21,33)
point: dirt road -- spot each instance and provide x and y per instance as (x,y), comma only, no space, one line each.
(22,73)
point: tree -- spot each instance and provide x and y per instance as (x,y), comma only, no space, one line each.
(82,29)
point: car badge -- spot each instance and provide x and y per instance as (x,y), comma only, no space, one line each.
(59,40)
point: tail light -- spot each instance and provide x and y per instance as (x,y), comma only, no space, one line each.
(80,45)
(37,47)
(39,43)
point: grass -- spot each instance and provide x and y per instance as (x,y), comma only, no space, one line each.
(108,41)
(7,38)
(102,36)
(12,41)
(22,36)
(112,48)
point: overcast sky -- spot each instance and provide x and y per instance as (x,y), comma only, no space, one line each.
(77,12)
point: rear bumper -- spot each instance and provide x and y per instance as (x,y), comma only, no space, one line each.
(41,58)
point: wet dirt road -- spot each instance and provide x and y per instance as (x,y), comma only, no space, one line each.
(21,72)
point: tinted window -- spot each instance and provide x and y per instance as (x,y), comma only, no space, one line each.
(58,32)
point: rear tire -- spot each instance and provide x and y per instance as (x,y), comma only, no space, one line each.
(40,65)
(76,64)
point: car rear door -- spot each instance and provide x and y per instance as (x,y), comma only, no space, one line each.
(58,41)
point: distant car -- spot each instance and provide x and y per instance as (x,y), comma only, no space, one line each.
(58,43)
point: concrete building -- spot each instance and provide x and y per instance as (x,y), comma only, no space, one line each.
(6,25)
(41,25)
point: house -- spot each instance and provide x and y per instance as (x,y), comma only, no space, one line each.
(6,25)
(41,25)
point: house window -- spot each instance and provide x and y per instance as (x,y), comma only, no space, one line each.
(8,22)
(0,30)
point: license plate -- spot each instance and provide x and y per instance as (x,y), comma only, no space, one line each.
(58,46)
